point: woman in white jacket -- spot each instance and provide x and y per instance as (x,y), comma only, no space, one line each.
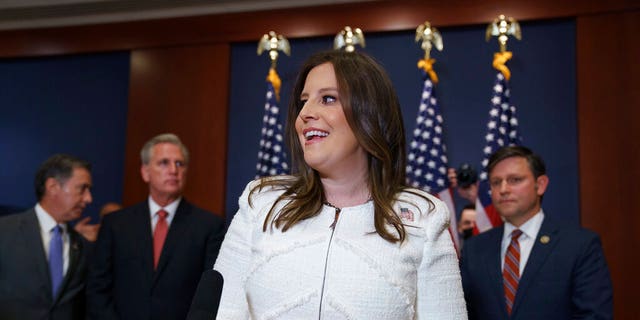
(343,237)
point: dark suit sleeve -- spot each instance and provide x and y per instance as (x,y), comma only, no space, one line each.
(100,280)
(214,241)
(592,289)
(466,285)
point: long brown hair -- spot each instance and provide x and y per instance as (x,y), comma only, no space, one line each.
(372,111)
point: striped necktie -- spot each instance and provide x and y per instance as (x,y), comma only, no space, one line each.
(511,270)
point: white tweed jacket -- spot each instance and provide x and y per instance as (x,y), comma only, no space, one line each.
(313,271)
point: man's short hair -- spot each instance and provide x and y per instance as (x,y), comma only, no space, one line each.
(59,167)
(536,164)
(469,206)
(145,153)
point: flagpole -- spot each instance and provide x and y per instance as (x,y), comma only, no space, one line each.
(427,159)
(272,158)
(502,126)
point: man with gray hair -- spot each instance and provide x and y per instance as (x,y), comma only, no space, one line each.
(149,257)
(43,264)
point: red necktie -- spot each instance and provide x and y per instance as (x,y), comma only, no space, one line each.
(511,270)
(159,234)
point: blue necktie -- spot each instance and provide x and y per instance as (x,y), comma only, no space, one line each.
(55,259)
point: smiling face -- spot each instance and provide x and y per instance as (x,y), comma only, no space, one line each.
(515,192)
(165,173)
(327,141)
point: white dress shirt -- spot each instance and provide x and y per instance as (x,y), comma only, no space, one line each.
(171,209)
(526,240)
(47,223)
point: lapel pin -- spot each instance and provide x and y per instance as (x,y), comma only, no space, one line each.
(545,239)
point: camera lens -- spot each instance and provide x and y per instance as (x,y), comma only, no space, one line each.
(466,175)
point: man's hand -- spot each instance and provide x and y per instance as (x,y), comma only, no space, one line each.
(87,230)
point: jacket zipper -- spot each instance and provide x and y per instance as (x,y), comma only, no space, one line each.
(326,260)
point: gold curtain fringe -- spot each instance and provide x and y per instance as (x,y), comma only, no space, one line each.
(427,66)
(499,63)
(275,81)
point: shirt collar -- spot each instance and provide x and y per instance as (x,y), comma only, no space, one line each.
(46,221)
(529,229)
(171,208)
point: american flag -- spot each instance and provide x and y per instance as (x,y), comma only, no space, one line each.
(502,130)
(427,159)
(272,159)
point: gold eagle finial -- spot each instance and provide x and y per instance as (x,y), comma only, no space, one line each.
(348,38)
(503,27)
(429,37)
(273,43)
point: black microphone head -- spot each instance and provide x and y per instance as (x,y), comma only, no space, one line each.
(204,305)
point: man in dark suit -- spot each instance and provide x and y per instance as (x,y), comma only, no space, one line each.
(148,258)
(43,264)
(532,267)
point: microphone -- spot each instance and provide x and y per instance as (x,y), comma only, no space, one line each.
(204,305)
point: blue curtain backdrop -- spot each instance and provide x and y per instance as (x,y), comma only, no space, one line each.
(78,104)
(543,88)
(70,104)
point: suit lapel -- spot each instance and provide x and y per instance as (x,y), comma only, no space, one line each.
(75,248)
(30,227)
(539,253)
(141,228)
(494,268)
(177,229)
